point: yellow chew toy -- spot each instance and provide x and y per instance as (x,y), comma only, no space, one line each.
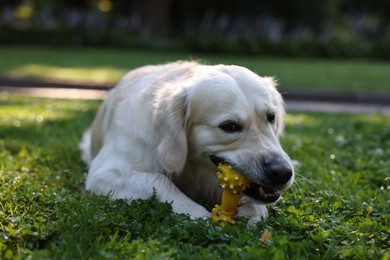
(232,183)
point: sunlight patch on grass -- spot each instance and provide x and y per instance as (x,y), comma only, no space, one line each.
(105,65)
(34,114)
(26,118)
(297,119)
(95,75)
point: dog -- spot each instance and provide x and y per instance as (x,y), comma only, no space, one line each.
(164,129)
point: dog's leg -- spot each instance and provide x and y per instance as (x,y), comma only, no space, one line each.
(121,182)
(251,209)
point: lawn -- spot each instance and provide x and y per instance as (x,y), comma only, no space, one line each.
(105,65)
(337,208)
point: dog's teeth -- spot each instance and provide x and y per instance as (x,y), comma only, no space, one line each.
(261,191)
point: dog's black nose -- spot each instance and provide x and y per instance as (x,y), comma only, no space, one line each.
(278,173)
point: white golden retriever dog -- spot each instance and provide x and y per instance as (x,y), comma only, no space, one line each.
(164,129)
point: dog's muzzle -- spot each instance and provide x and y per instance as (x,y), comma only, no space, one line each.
(276,177)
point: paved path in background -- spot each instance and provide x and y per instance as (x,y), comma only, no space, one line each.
(317,106)
(67,93)
(296,100)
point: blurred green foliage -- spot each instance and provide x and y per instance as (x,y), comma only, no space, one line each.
(329,28)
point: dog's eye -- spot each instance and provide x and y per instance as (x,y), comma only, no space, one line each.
(271,118)
(230,127)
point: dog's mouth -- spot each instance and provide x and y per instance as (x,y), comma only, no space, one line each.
(260,192)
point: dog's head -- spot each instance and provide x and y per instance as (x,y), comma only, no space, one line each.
(229,114)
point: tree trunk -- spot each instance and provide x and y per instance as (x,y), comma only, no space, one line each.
(155,18)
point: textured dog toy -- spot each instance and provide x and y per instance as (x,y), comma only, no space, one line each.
(232,183)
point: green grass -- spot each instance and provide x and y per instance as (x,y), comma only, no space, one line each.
(104,65)
(337,208)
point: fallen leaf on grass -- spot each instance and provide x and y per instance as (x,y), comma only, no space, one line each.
(264,239)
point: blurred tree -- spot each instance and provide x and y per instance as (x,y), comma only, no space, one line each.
(249,25)
(380,8)
(154,17)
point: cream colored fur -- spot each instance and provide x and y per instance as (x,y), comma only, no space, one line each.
(157,128)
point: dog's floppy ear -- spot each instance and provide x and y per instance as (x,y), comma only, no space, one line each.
(170,120)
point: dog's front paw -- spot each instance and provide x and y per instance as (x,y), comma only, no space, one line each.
(203,213)
(192,209)
(251,209)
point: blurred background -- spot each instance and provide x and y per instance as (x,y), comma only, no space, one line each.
(328,50)
(327,28)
